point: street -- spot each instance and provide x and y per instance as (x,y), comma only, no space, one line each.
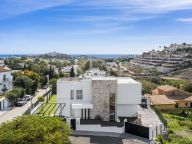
(18,111)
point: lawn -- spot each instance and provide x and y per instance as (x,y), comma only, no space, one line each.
(48,108)
(180,129)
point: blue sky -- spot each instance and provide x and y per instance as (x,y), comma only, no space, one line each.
(93,26)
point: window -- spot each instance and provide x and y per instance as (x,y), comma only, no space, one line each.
(112,98)
(79,94)
(72,94)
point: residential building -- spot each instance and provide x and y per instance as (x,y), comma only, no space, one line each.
(67,69)
(168,97)
(95,72)
(106,98)
(6,79)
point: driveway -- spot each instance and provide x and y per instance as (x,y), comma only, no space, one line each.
(18,111)
(83,137)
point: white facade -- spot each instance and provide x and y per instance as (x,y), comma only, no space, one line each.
(6,79)
(128,96)
(4,103)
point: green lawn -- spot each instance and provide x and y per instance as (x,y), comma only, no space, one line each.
(48,108)
(180,129)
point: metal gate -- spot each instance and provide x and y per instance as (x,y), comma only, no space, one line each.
(73,124)
(137,130)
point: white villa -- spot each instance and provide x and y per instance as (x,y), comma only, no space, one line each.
(6,79)
(109,98)
(95,72)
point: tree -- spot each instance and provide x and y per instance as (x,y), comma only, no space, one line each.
(35,129)
(72,73)
(53,83)
(14,94)
(147,87)
(24,82)
(114,73)
(32,75)
(188,87)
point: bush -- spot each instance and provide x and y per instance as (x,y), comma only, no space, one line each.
(14,94)
(35,129)
(41,99)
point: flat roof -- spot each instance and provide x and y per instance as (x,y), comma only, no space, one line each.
(120,80)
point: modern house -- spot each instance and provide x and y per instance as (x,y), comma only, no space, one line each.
(107,98)
(168,97)
(6,79)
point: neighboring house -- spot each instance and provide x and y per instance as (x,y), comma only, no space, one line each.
(108,98)
(95,72)
(166,97)
(6,79)
(67,69)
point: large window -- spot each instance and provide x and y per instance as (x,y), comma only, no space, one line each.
(72,94)
(112,106)
(79,94)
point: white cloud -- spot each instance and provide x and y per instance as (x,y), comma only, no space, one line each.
(16,7)
(188,20)
(10,8)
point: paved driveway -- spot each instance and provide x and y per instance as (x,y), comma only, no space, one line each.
(18,111)
(83,137)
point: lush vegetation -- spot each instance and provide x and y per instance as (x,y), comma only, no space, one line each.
(180,129)
(153,82)
(35,129)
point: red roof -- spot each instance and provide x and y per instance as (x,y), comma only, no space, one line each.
(4,69)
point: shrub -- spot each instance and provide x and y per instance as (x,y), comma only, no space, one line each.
(35,129)
(41,99)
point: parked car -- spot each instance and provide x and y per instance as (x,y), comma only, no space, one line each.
(21,101)
(28,97)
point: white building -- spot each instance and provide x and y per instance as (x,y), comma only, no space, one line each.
(67,69)
(4,103)
(6,79)
(95,72)
(109,98)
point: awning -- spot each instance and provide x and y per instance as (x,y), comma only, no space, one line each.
(82,106)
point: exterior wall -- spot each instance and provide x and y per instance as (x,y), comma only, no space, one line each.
(126,110)
(8,81)
(64,94)
(99,128)
(183,104)
(170,106)
(101,90)
(4,103)
(129,93)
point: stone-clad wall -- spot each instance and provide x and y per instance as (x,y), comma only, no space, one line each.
(101,90)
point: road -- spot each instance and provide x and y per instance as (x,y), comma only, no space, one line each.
(18,111)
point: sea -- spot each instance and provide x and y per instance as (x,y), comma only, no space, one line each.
(102,56)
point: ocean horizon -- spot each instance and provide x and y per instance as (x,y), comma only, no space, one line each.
(104,56)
